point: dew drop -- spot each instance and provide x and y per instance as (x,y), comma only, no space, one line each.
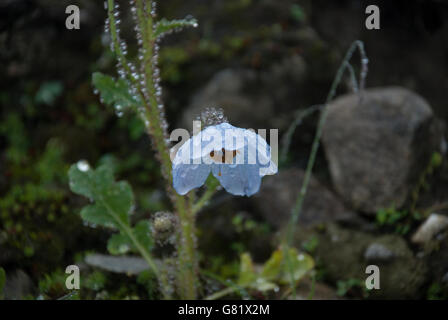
(83,165)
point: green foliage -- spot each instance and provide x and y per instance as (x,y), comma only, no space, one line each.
(275,271)
(400,220)
(165,26)
(33,208)
(434,163)
(14,130)
(49,92)
(171,59)
(243,224)
(311,244)
(437,291)
(351,286)
(115,92)
(113,201)
(247,229)
(52,285)
(390,216)
(148,280)
(112,206)
(121,243)
(298,13)
(91,117)
(51,166)
(134,125)
(95,281)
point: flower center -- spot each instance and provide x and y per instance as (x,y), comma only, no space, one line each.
(223,156)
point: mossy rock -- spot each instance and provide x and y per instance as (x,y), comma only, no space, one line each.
(341,252)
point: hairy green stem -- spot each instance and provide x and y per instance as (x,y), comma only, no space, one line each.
(154,125)
(203,200)
(187,264)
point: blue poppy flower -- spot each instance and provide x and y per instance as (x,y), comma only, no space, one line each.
(237,157)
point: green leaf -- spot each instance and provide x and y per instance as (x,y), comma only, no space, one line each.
(142,231)
(49,92)
(120,200)
(299,265)
(250,278)
(90,183)
(2,280)
(167,26)
(119,243)
(262,284)
(97,214)
(273,266)
(113,200)
(115,92)
(247,271)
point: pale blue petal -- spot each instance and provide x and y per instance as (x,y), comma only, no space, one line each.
(243,177)
(239,180)
(189,176)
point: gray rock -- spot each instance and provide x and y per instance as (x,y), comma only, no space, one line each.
(119,264)
(378,252)
(18,285)
(341,252)
(278,194)
(433,225)
(320,291)
(445,278)
(376,147)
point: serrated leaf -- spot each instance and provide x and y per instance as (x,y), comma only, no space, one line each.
(113,200)
(112,204)
(119,243)
(90,183)
(166,26)
(114,92)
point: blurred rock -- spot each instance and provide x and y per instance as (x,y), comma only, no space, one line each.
(378,252)
(18,285)
(342,254)
(320,291)
(249,98)
(119,264)
(445,278)
(278,195)
(377,147)
(433,225)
